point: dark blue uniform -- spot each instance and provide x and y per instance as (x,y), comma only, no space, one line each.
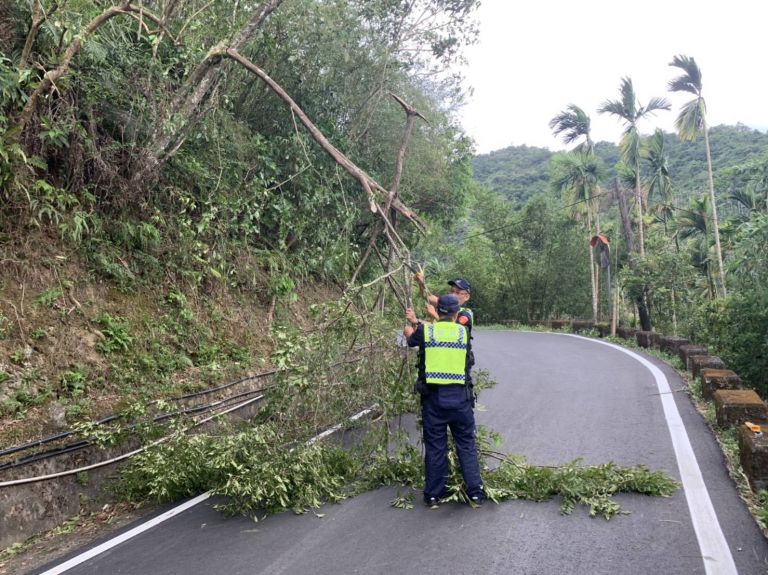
(444,407)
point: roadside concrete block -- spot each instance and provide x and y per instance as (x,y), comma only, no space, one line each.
(699,362)
(560,323)
(580,325)
(714,379)
(689,360)
(656,340)
(626,332)
(671,343)
(643,338)
(735,406)
(603,329)
(685,351)
(753,454)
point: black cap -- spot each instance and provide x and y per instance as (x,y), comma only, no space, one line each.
(448,304)
(460,283)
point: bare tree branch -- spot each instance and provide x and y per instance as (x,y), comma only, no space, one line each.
(366,181)
(392,196)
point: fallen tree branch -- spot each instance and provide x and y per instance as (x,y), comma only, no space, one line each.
(366,181)
(392,196)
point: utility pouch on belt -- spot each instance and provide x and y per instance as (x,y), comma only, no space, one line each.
(469,386)
(420,388)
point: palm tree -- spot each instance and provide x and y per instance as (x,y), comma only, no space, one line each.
(578,176)
(658,183)
(690,122)
(573,123)
(692,224)
(629,110)
(749,201)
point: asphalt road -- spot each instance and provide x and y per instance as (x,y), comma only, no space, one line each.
(558,398)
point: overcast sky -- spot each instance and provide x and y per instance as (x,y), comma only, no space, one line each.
(535,57)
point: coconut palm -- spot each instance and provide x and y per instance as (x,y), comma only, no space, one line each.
(629,110)
(690,122)
(577,175)
(573,123)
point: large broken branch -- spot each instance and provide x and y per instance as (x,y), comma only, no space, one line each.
(411,115)
(367,182)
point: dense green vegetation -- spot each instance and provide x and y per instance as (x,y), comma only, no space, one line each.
(193,191)
(677,279)
(516,173)
(153,188)
(519,172)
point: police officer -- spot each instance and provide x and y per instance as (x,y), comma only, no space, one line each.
(445,399)
(461,289)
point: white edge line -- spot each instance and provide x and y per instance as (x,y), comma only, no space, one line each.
(715,552)
(107,545)
(139,529)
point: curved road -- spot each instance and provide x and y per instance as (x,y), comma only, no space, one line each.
(558,398)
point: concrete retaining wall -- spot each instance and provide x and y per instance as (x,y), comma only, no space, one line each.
(33,508)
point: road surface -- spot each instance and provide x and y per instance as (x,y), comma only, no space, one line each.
(558,398)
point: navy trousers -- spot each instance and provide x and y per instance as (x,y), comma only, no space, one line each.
(448,407)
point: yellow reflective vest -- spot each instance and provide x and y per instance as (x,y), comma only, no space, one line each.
(445,353)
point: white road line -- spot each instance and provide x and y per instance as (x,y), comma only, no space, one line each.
(715,552)
(107,545)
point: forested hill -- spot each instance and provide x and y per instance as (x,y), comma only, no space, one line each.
(519,172)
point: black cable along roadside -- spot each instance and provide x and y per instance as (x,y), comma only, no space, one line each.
(110,418)
(82,444)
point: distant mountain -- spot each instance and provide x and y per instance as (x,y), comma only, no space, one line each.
(519,172)
(516,173)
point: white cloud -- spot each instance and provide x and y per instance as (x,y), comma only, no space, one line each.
(535,58)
